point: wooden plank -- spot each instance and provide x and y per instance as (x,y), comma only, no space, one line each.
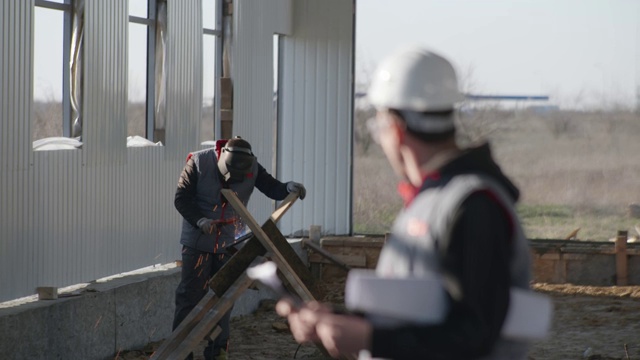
(214,334)
(553,256)
(204,327)
(220,283)
(226,116)
(293,260)
(226,124)
(284,206)
(315,233)
(236,266)
(190,331)
(281,260)
(226,93)
(47,292)
(346,261)
(622,269)
(329,256)
(241,260)
(376,242)
(184,329)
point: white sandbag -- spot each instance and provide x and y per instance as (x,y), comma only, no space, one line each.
(139,141)
(57,143)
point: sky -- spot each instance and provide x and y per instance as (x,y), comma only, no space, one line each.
(581,53)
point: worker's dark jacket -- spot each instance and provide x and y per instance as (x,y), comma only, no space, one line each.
(462,224)
(198,195)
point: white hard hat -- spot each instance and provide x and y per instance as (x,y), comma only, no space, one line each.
(414,79)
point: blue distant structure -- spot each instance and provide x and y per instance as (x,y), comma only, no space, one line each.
(508,97)
(490,97)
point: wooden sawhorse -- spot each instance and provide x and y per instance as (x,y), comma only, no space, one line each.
(231,281)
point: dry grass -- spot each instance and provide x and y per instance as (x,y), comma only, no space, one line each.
(47,120)
(574,170)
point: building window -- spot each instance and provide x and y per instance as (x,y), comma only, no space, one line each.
(211,70)
(51,58)
(147,26)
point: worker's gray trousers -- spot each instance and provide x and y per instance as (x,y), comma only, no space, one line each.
(197,268)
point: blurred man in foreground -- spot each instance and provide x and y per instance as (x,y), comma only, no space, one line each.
(458,222)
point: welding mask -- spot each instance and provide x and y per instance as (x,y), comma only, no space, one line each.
(235,163)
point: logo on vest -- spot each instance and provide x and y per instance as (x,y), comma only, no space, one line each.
(417,227)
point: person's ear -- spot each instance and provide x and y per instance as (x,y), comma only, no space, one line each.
(398,127)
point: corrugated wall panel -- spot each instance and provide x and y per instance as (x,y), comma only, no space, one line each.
(184,76)
(16,92)
(15,137)
(73,216)
(255,24)
(315,127)
(105,85)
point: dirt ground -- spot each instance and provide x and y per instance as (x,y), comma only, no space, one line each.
(589,323)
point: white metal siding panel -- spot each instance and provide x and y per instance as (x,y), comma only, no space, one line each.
(16,41)
(314,143)
(255,23)
(17,82)
(73,216)
(105,85)
(76,215)
(184,77)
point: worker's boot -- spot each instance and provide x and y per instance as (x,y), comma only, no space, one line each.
(221,356)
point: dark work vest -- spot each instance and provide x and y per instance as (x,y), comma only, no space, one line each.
(212,205)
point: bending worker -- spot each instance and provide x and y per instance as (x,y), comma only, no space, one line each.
(458,221)
(210,224)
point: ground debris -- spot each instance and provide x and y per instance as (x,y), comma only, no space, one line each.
(280,326)
(606,318)
(570,289)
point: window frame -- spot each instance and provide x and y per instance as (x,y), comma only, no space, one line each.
(67,10)
(150,98)
(217,33)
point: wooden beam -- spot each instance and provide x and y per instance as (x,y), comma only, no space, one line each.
(226,123)
(285,205)
(327,255)
(184,329)
(47,292)
(347,261)
(230,281)
(226,94)
(236,266)
(293,260)
(203,328)
(284,262)
(622,270)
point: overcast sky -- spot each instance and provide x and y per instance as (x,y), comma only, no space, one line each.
(579,52)
(576,51)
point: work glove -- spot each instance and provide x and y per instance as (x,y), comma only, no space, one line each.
(297,187)
(207,226)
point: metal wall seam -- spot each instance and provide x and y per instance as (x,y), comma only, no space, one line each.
(105,129)
(322,159)
(184,76)
(255,24)
(15,123)
(344,135)
(16,52)
(61,219)
(76,215)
